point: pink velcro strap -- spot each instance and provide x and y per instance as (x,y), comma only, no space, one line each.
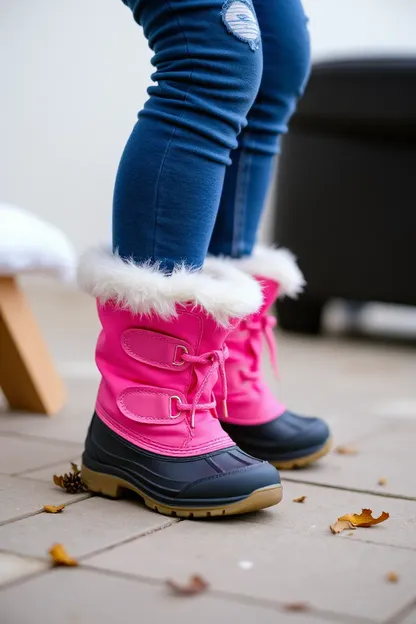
(155,349)
(146,404)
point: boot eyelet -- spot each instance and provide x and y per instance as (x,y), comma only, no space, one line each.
(171,415)
(180,362)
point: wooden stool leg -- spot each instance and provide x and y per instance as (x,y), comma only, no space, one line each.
(28,377)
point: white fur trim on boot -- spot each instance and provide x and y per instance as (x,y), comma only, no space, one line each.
(220,289)
(276,264)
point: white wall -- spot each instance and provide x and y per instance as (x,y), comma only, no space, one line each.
(361,27)
(73,75)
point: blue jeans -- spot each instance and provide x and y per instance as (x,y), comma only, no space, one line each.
(196,169)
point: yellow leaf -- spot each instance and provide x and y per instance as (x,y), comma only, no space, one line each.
(365,518)
(299,499)
(392,577)
(52,508)
(58,480)
(341,525)
(345,450)
(75,468)
(60,557)
(195,585)
(382,481)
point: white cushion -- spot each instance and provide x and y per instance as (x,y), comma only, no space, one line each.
(28,244)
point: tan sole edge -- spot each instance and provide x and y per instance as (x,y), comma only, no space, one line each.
(301,462)
(113,487)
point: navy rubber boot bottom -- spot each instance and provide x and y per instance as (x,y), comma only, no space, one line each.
(221,483)
(289,441)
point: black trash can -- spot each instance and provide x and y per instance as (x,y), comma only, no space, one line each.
(346,192)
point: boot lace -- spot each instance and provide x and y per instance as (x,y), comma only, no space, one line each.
(263,326)
(216,360)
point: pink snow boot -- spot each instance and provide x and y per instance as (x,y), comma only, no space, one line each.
(257,422)
(161,351)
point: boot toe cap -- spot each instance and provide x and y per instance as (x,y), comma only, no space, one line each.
(300,431)
(285,437)
(233,484)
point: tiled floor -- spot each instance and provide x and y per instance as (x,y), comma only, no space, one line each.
(366,389)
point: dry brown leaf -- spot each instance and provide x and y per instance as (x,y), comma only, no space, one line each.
(392,577)
(365,518)
(296,606)
(195,585)
(300,499)
(52,508)
(60,557)
(382,481)
(345,450)
(341,525)
(58,480)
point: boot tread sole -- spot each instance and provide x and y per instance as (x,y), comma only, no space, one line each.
(302,462)
(113,487)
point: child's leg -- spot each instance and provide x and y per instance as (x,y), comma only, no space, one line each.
(161,350)
(171,174)
(256,421)
(285,43)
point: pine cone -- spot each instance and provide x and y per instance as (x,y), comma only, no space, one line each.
(71,481)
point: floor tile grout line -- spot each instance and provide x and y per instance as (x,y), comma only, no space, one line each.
(383,544)
(402,613)
(381,428)
(80,559)
(81,498)
(235,597)
(373,543)
(25,477)
(25,577)
(350,489)
(228,596)
(6,551)
(43,467)
(357,539)
(33,437)
(169,523)
(322,613)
